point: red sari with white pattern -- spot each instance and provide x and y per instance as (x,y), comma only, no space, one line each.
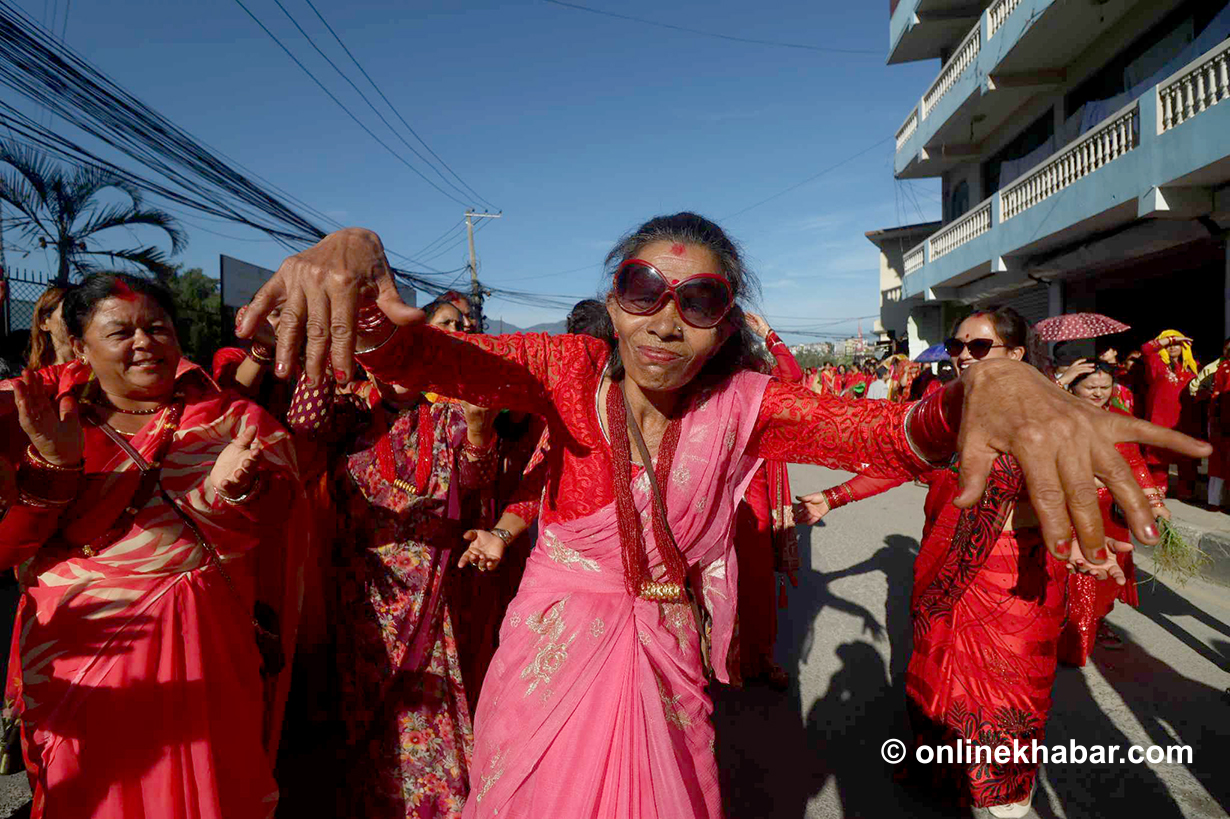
(595,704)
(988,606)
(136,671)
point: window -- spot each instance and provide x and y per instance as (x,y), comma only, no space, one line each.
(1031,139)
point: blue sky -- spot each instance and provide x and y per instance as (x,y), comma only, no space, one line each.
(577,125)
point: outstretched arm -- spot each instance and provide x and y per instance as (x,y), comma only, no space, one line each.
(811,508)
(518,372)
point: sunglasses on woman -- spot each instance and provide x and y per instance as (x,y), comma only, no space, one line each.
(978,347)
(702,300)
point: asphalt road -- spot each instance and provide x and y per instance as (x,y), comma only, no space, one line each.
(814,751)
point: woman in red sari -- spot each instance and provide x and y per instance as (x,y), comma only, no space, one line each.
(137,674)
(1169,368)
(595,704)
(766,542)
(988,607)
(1219,429)
(1090,599)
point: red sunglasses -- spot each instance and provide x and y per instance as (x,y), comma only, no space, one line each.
(702,300)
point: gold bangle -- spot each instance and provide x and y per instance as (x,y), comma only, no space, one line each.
(36,460)
(241,499)
(261,354)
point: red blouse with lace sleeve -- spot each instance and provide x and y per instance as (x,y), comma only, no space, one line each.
(797,425)
(787,368)
(858,488)
(558,377)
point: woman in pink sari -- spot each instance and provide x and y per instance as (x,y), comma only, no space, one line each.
(595,705)
(136,669)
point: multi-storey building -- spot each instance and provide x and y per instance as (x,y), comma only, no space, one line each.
(902,319)
(1084,153)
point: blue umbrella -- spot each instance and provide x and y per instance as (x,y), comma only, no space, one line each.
(935,352)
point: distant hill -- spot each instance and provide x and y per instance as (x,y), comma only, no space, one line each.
(552,327)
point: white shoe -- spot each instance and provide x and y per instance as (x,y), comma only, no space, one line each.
(1014,810)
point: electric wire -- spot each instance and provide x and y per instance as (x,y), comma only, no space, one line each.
(393,108)
(342,105)
(801,46)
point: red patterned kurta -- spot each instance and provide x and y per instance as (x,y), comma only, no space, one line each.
(988,606)
(403,701)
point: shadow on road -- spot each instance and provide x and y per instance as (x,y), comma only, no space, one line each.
(1161,604)
(1172,709)
(775,753)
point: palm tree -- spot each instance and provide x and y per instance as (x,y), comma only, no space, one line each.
(57,207)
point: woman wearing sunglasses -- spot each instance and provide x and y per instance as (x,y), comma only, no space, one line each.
(595,704)
(984,656)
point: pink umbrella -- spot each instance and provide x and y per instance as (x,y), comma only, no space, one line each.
(1074,326)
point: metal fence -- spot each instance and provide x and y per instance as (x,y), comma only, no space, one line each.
(200,333)
(25,286)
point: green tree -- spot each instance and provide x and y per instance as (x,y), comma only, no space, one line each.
(59,207)
(199,301)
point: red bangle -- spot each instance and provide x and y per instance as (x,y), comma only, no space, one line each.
(930,427)
(838,496)
(45,485)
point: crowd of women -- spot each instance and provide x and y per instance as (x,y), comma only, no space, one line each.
(212,561)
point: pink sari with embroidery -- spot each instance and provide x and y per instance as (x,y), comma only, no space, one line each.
(579,658)
(594,705)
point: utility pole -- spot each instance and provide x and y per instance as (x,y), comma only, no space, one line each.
(476,292)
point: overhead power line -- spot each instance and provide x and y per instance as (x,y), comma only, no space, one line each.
(364,97)
(811,178)
(393,108)
(751,40)
(342,105)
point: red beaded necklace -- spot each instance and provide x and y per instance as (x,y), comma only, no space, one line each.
(631,535)
(425,444)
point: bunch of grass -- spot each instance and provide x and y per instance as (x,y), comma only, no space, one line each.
(1174,557)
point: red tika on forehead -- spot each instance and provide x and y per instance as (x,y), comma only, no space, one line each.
(123,292)
(678,249)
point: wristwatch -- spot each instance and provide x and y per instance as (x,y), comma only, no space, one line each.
(502,534)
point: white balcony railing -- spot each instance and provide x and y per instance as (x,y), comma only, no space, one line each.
(907,128)
(1197,87)
(1106,143)
(960,60)
(963,230)
(914,259)
(997,15)
(890,295)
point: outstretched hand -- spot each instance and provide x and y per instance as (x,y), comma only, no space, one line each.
(810,509)
(235,469)
(1062,444)
(54,428)
(485,552)
(320,292)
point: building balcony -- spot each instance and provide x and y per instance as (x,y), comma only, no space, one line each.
(929,29)
(1016,50)
(1160,159)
